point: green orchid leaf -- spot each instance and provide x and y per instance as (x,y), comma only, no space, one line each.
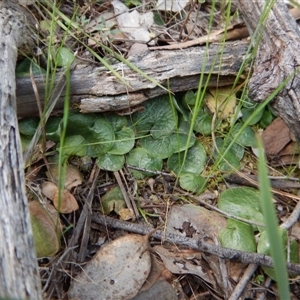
(189,99)
(158,118)
(294,251)
(249,103)
(28,126)
(64,57)
(247,136)
(100,138)
(23,68)
(80,123)
(246,114)
(238,235)
(124,141)
(25,141)
(53,129)
(237,150)
(117,121)
(266,119)
(232,156)
(141,158)
(180,139)
(111,162)
(74,145)
(173,143)
(242,202)
(263,247)
(113,200)
(181,109)
(158,20)
(203,123)
(194,162)
(192,182)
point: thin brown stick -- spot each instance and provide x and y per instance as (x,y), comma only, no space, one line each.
(229,254)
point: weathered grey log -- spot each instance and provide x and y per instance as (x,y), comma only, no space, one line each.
(95,89)
(277,58)
(19,275)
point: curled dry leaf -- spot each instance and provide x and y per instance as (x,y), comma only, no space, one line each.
(126,214)
(64,202)
(73,176)
(117,271)
(46,229)
(184,263)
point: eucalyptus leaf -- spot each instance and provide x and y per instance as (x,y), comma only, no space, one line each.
(100,138)
(111,162)
(74,145)
(194,162)
(141,158)
(192,182)
(124,141)
(158,118)
(238,235)
(242,202)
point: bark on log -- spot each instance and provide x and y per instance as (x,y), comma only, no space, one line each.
(277,58)
(95,89)
(19,275)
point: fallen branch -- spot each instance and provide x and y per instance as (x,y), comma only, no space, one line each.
(95,89)
(19,276)
(230,254)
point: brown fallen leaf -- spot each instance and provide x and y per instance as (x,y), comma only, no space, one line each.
(184,263)
(46,229)
(73,176)
(275,137)
(63,201)
(117,271)
(221,101)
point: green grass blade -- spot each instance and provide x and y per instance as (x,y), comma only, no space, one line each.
(277,249)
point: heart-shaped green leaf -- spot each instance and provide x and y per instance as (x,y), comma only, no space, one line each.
(194,162)
(111,162)
(100,138)
(238,235)
(158,118)
(192,182)
(74,145)
(141,158)
(124,141)
(242,202)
